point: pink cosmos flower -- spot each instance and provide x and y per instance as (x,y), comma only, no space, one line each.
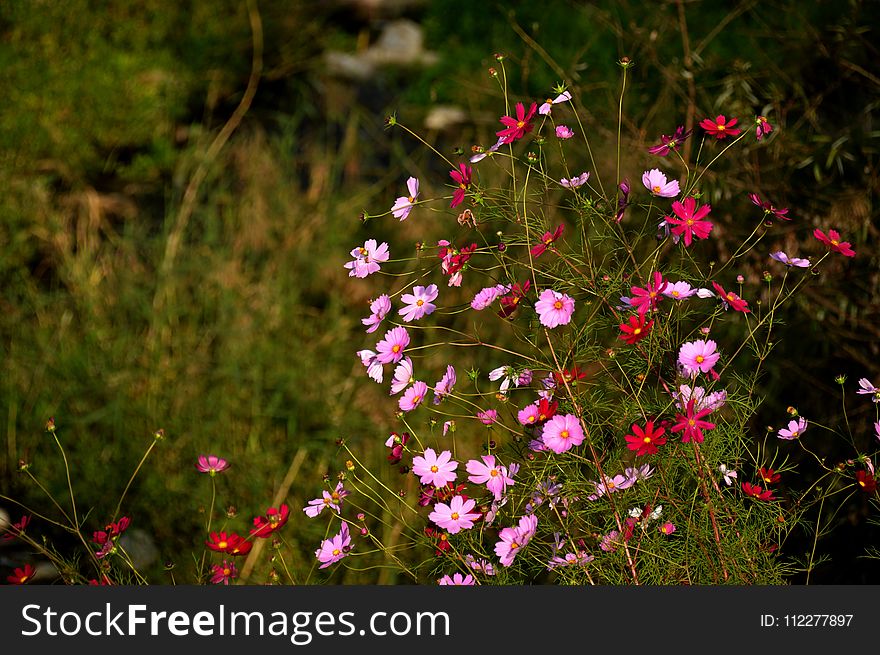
(691,221)
(554,308)
(561,433)
(545,109)
(655,182)
(488,416)
(762,127)
(546,241)
(612,483)
(517,128)
(403,376)
(482,154)
(795,429)
(667,528)
(372,364)
(494,476)
(447,426)
(457,579)
(379,309)
(564,132)
(334,549)
(720,127)
(419,303)
(698,356)
(512,540)
(528,415)
(433,469)
(713,401)
(485,297)
(867,387)
(692,423)
(456,516)
(462,177)
(679,290)
(367,258)
(331,499)
(507,376)
(404,204)
(575,182)
(413,397)
(390,349)
(669,143)
(622,200)
(444,386)
(729,475)
(731,299)
(790,261)
(832,240)
(645,298)
(211,464)
(223,573)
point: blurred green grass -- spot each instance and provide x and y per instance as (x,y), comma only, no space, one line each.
(111,107)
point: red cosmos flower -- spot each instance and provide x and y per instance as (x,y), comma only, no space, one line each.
(720,128)
(645,298)
(635,330)
(272,521)
(757,492)
(762,127)
(510,302)
(622,200)
(668,143)
(769,208)
(429,493)
(833,241)
(730,298)
(571,376)
(17,529)
(769,476)
(22,575)
(692,423)
(231,544)
(548,238)
(519,126)
(462,177)
(645,441)
(111,531)
(396,442)
(690,220)
(546,410)
(866,481)
(441,539)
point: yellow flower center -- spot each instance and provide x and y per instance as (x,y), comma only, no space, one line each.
(363,251)
(692,422)
(647,439)
(454,516)
(434,469)
(637,331)
(222,544)
(656,188)
(336,552)
(417,399)
(835,242)
(494,473)
(395,349)
(700,359)
(557,304)
(520,124)
(564,434)
(420,302)
(721,127)
(227,571)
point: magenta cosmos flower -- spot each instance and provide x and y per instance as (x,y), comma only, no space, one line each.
(512,540)
(434,469)
(769,208)
(547,107)
(456,516)
(367,258)
(762,127)
(720,127)
(729,298)
(546,241)
(413,397)
(517,128)
(457,579)
(404,204)
(692,423)
(794,429)
(561,433)
(490,473)
(698,356)
(390,349)
(445,385)
(485,297)
(669,143)
(462,177)
(832,240)
(211,464)
(419,303)
(564,132)
(334,549)
(647,297)
(691,220)
(403,376)
(554,308)
(679,290)
(655,182)
(223,573)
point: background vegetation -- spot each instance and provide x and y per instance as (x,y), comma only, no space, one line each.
(181,185)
